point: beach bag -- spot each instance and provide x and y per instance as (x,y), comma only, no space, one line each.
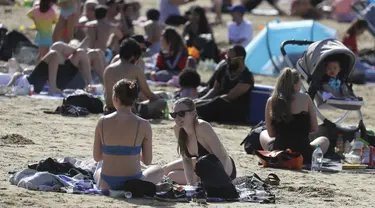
(281,159)
(214,180)
(140,188)
(251,141)
(11,43)
(69,110)
(91,103)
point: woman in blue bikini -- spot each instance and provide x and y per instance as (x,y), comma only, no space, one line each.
(122,141)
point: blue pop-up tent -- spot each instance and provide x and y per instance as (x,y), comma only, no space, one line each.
(263,52)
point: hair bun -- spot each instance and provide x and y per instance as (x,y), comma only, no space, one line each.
(132,91)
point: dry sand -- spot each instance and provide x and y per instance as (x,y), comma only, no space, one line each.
(56,136)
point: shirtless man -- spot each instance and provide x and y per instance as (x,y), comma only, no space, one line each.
(100,30)
(153,30)
(125,67)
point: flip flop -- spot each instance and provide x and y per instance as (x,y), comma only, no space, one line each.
(272,180)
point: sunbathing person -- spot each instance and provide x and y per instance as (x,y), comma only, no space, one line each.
(196,138)
(57,70)
(122,141)
(100,30)
(125,67)
(96,57)
(290,118)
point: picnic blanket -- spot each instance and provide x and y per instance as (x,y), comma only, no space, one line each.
(75,176)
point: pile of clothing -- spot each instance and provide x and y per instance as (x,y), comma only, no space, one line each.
(68,175)
(71,175)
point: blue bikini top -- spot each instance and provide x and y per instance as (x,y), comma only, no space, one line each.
(121,150)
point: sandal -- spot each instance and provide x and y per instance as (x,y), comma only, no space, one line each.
(272,180)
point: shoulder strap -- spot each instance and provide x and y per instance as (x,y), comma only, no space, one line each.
(136,134)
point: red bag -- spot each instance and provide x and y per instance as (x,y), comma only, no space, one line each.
(281,159)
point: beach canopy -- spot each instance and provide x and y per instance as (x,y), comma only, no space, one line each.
(263,52)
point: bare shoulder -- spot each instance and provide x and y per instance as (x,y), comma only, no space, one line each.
(145,123)
(203,126)
(109,68)
(269,100)
(302,98)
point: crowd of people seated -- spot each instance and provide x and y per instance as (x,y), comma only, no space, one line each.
(110,48)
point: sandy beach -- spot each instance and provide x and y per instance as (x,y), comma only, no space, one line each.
(56,136)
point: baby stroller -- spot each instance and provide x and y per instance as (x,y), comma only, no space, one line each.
(311,67)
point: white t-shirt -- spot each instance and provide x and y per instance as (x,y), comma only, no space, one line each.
(243,30)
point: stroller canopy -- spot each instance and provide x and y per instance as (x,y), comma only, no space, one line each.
(312,62)
(263,55)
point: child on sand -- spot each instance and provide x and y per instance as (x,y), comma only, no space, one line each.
(189,80)
(333,85)
(153,30)
(44,17)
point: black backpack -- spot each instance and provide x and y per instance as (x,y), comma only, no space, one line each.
(12,43)
(91,103)
(251,142)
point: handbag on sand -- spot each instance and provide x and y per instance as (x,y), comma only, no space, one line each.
(281,159)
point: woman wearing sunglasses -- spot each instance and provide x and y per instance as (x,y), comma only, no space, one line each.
(196,138)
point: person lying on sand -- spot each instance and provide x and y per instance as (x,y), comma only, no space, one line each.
(125,67)
(100,31)
(96,56)
(196,138)
(122,147)
(57,70)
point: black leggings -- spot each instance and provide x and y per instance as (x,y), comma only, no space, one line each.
(176,20)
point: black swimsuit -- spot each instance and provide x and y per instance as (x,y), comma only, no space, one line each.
(294,135)
(202,152)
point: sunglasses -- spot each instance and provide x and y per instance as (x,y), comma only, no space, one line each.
(234,58)
(181,114)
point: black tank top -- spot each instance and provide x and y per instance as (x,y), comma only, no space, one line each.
(201,152)
(294,135)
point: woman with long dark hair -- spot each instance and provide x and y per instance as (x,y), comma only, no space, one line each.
(196,138)
(198,33)
(290,118)
(197,25)
(172,58)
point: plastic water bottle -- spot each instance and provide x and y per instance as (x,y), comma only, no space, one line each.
(166,112)
(317,159)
